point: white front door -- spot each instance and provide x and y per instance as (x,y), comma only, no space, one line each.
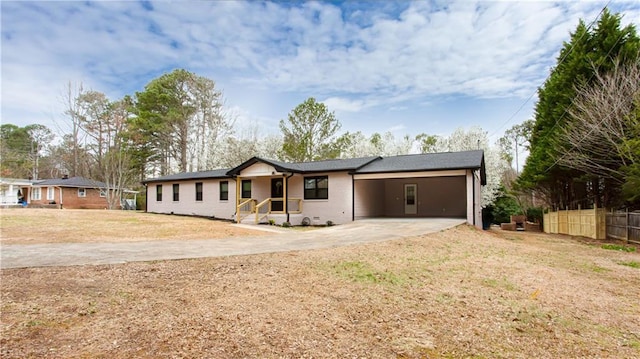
(410,199)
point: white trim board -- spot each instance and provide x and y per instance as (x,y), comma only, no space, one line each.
(366,176)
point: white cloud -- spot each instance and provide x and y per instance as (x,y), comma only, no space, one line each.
(343,104)
(358,56)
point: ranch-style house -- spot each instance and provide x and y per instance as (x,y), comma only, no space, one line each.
(260,190)
(66,192)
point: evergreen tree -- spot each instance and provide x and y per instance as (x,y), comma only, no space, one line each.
(309,133)
(588,52)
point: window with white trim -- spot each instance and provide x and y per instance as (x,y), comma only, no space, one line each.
(50,193)
(103,193)
(82,192)
(36,193)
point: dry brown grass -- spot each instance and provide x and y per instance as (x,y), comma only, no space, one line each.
(455,294)
(32,225)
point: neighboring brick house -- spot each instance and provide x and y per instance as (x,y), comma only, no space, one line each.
(72,192)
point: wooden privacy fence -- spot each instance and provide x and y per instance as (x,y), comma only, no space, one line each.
(624,225)
(582,222)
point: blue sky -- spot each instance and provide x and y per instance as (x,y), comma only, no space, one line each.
(405,67)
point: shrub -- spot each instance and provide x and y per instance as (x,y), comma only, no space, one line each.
(141,200)
(503,208)
(330,223)
(535,214)
(286,224)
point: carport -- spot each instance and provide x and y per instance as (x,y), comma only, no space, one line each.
(446,186)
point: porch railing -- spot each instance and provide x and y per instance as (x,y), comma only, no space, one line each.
(245,207)
(263,209)
(250,206)
(294,205)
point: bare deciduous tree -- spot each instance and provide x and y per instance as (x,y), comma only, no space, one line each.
(597,140)
(73,136)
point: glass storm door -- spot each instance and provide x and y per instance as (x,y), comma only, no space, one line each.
(410,199)
(277,192)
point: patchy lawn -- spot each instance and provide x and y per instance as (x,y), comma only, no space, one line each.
(453,294)
(32,225)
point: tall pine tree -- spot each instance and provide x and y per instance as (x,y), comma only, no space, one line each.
(588,52)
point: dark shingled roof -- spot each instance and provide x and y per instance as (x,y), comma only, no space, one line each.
(429,162)
(184,176)
(405,163)
(76,182)
(350,164)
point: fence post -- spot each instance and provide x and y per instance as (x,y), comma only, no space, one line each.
(626,232)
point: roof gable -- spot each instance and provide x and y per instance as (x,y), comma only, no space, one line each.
(350,164)
(279,166)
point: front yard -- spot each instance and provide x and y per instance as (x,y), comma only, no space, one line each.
(454,294)
(33,225)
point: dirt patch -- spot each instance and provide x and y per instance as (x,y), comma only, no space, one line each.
(456,293)
(31,226)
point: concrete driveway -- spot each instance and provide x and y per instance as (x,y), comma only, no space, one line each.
(362,231)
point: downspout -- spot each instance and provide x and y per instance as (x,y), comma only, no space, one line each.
(353,198)
(286,195)
(146,196)
(235,200)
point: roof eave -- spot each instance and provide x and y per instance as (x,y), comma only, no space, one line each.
(423,170)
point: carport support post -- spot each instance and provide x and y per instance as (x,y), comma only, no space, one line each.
(471,200)
(285,195)
(238,191)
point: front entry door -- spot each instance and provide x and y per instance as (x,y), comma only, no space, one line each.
(410,199)
(277,191)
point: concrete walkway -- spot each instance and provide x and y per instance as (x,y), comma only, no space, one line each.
(363,231)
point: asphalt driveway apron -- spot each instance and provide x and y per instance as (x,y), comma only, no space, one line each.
(358,232)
